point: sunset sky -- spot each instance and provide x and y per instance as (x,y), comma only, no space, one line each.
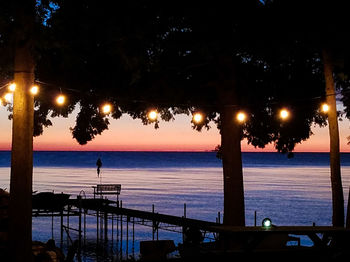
(127,134)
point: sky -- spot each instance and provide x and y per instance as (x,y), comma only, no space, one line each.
(127,134)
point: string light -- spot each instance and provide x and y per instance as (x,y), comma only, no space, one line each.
(106,108)
(8,97)
(12,87)
(197,118)
(284,114)
(241,117)
(325,108)
(152,115)
(34,90)
(60,99)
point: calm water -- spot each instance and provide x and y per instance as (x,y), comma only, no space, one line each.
(290,191)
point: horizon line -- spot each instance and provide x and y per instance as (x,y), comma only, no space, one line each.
(170,151)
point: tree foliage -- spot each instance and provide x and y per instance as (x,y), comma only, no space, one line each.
(178,57)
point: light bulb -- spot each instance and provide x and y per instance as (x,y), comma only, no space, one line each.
(107,108)
(8,97)
(241,117)
(152,115)
(267,223)
(34,90)
(284,114)
(325,108)
(60,99)
(197,118)
(12,87)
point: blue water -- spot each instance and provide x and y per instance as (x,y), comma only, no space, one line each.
(292,191)
(169,159)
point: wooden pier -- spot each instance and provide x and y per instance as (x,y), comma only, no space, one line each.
(247,239)
(252,239)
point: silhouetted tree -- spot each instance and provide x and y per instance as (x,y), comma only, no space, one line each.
(19,21)
(183,58)
(323,32)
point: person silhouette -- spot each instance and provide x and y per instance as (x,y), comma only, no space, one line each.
(99,165)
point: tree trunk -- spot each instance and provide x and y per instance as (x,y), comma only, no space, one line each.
(20,207)
(337,189)
(348,212)
(232,168)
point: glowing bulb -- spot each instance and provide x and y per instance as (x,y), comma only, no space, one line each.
(152,115)
(267,223)
(8,97)
(34,90)
(241,117)
(197,118)
(12,87)
(325,108)
(60,99)
(284,114)
(107,108)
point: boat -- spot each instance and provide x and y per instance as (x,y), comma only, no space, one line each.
(49,201)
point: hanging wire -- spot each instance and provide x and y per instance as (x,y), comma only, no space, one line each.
(141,101)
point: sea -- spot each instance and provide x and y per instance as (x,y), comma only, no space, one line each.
(289,191)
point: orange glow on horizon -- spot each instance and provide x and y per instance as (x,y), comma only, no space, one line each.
(127,134)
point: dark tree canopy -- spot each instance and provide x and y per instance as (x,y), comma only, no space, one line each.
(178,57)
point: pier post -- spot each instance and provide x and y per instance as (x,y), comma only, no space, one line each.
(157,224)
(153,226)
(183,234)
(255,218)
(183,228)
(85,227)
(97,227)
(52,225)
(112,224)
(184,210)
(61,213)
(101,225)
(106,226)
(121,237)
(127,236)
(133,237)
(79,231)
(117,244)
(68,214)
